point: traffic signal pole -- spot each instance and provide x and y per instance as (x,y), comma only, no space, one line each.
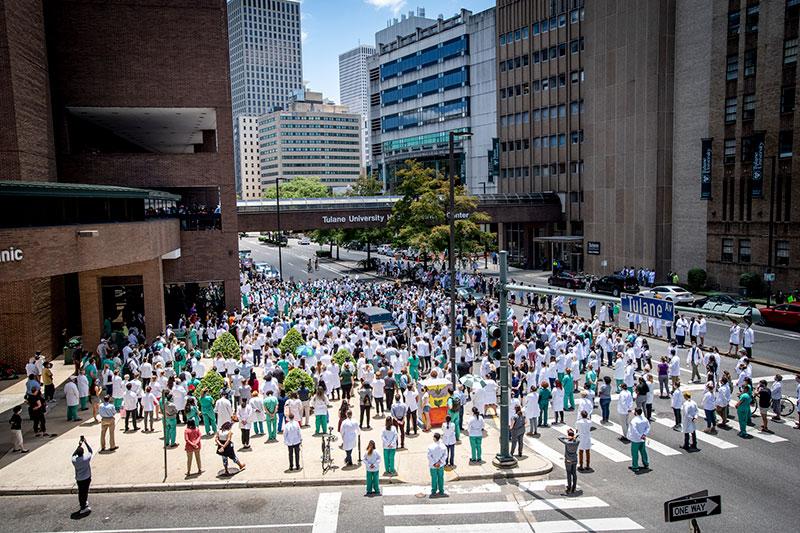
(504,459)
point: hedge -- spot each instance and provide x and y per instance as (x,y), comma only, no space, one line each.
(343,355)
(213,383)
(291,341)
(295,378)
(226,345)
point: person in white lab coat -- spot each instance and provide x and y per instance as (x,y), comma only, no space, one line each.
(437,457)
(532,409)
(390,439)
(245,415)
(449,440)
(224,410)
(73,399)
(677,402)
(688,415)
(584,429)
(624,409)
(292,438)
(372,461)
(349,432)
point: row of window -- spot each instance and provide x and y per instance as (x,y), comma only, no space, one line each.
(557,111)
(514,119)
(551,141)
(523,89)
(545,171)
(430,139)
(732,65)
(750,20)
(545,25)
(426,115)
(320,126)
(425,86)
(516,62)
(745,251)
(423,58)
(785,142)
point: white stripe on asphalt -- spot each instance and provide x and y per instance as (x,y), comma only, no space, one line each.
(766,437)
(417,509)
(705,437)
(591,524)
(533,486)
(411,490)
(654,445)
(545,451)
(552,526)
(326,518)
(599,447)
(503,527)
(178,529)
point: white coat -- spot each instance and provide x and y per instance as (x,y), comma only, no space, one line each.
(349,434)
(532,405)
(688,415)
(71,393)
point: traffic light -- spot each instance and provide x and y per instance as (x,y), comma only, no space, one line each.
(495,342)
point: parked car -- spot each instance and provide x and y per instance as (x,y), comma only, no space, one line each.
(565,278)
(782,316)
(377,318)
(465,293)
(723,298)
(614,285)
(304,241)
(267,270)
(672,293)
(246,258)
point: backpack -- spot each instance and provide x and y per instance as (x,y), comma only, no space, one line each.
(456,403)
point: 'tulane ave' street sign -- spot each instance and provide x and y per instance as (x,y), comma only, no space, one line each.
(652,307)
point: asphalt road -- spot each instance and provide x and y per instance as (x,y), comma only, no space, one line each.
(771,344)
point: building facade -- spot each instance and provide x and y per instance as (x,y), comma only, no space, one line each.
(311,137)
(246,131)
(354,90)
(266,61)
(426,84)
(754,183)
(118,189)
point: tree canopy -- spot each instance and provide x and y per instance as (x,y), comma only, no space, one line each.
(300,187)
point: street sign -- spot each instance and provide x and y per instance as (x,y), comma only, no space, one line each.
(690,508)
(593,248)
(769,276)
(645,306)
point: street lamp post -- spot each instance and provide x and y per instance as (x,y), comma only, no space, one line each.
(451,260)
(771,252)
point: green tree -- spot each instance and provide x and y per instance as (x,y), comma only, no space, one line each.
(226,345)
(419,218)
(291,341)
(295,378)
(366,185)
(300,187)
(213,383)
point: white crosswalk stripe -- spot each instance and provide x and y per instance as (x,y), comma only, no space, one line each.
(766,437)
(549,526)
(493,507)
(652,444)
(600,448)
(703,437)
(533,486)
(411,490)
(545,451)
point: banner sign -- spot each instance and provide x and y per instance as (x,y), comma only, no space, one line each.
(705,170)
(757,178)
(494,160)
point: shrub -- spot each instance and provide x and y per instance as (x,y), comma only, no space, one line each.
(291,341)
(343,355)
(226,345)
(295,378)
(323,253)
(752,282)
(213,383)
(697,278)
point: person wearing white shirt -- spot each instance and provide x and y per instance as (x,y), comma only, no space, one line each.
(245,414)
(709,404)
(437,457)
(675,369)
(148,407)
(637,435)
(777,394)
(723,398)
(117,390)
(292,438)
(73,399)
(584,429)
(688,416)
(531,409)
(694,357)
(475,432)
(449,440)
(624,408)
(372,462)
(734,339)
(224,410)
(676,403)
(748,337)
(130,402)
(349,432)
(389,438)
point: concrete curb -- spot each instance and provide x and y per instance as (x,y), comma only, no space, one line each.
(232,484)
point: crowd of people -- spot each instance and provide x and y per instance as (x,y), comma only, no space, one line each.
(561,362)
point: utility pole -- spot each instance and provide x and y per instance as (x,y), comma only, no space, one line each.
(280,237)
(504,459)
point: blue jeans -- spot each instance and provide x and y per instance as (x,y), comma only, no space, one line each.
(605,403)
(280,422)
(711,418)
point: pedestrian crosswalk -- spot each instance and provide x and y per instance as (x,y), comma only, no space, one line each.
(513,508)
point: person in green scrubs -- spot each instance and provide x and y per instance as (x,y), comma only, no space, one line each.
(544,403)
(372,460)
(209,416)
(413,366)
(569,390)
(271,412)
(743,410)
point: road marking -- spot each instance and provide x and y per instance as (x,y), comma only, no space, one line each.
(533,486)
(326,518)
(196,528)
(417,509)
(550,526)
(545,451)
(411,490)
(705,437)
(599,447)
(767,437)
(656,446)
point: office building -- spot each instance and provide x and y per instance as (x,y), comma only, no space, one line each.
(310,137)
(266,64)
(249,169)
(116,184)
(354,90)
(425,84)
(746,139)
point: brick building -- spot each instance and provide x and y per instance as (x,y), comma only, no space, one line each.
(116,162)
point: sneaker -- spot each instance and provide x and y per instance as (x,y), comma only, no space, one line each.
(85,510)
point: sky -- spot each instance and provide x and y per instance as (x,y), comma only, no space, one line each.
(331,27)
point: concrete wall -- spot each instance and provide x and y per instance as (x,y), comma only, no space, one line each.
(690,126)
(628,127)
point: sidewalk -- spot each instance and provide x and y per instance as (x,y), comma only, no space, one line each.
(138,464)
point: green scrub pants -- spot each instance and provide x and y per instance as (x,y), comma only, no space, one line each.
(437,480)
(320,424)
(84,402)
(455,418)
(372,483)
(171,424)
(210,422)
(743,417)
(72,413)
(272,427)
(636,449)
(475,448)
(388,456)
(118,404)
